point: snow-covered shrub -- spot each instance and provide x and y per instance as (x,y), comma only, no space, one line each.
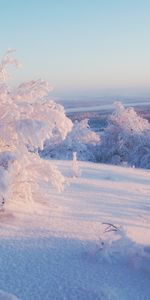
(117,244)
(27,118)
(81,139)
(126,139)
(114,244)
(76,172)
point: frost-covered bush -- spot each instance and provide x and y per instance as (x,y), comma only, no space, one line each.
(27,118)
(76,172)
(115,244)
(126,139)
(81,139)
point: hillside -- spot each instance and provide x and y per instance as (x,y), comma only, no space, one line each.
(56,248)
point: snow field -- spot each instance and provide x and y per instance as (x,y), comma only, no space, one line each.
(56,248)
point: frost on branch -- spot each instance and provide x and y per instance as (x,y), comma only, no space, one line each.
(33,90)
(27,119)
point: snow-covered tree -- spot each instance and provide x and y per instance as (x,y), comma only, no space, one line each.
(126,139)
(81,139)
(27,118)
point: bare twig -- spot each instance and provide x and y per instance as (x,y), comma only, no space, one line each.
(110,227)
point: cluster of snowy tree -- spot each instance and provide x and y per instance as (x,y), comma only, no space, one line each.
(126,139)
(32,124)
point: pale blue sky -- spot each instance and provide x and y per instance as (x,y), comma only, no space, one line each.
(80,46)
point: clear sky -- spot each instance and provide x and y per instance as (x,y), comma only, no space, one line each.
(79,46)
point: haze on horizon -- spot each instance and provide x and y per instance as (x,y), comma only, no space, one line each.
(83,48)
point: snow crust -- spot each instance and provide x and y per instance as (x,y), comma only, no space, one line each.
(57,248)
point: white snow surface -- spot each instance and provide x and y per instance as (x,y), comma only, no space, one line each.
(56,248)
(7,296)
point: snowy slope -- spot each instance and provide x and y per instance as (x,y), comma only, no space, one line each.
(56,248)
